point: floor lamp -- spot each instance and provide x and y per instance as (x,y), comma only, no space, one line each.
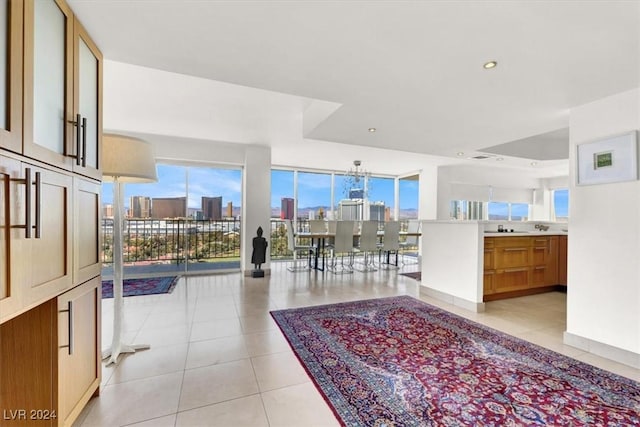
(124,159)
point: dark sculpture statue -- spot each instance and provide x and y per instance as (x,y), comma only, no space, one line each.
(259,253)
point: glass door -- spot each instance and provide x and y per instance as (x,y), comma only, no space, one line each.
(87,105)
(11,75)
(48,88)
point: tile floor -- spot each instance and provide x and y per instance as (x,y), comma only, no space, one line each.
(218,359)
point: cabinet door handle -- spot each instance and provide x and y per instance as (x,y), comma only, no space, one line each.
(78,140)
(84,142)
(27,203)
(514,270)
(540,268)
(69,312)
(38,204)
(78,124)
(514,249)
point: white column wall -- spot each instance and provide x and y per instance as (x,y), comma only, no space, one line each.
(603,304)
(256,203)
(428,193)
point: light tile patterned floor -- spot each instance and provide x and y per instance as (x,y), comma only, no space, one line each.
(218,359)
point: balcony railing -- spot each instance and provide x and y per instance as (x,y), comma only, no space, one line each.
(189,240)
(173,241)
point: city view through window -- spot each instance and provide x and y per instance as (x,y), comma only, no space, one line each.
(191,216)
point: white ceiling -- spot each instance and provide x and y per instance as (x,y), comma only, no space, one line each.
(411,69)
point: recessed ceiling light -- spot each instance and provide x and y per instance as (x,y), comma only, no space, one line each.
(534,163)
(489,65)
(459,154)
(372,130)
(499,159)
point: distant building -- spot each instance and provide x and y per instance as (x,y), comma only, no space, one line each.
(286,208)
(168,207)
(229,209)
(212,207)
(377,211)
(351,210)
(387,214)
(140,207)
(107,211)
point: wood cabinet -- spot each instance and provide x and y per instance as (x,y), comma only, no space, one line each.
(79,368)
(35,249)
(62,104)
(50,236)
(87,233)
(48,359)
(519,265)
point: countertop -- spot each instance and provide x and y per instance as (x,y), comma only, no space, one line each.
(526,233)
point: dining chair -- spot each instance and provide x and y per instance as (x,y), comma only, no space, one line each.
(411,242)
(296,249)
(390,243)
(343,245)
(317,226)
(368,245)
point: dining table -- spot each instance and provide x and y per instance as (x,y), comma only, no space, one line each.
(319,241)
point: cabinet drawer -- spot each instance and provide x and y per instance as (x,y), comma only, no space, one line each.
(511,279)
(503,242)
(512,257)
(489,259)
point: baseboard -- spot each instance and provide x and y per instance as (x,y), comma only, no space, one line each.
(610,352)
(477,307)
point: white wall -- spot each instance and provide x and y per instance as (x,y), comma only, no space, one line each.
(428,193)
(256,206)
(479,175)
(603,304)
(452,262)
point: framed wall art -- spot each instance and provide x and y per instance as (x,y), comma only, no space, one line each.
(613,159)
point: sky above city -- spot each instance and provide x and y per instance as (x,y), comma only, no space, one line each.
(314,189)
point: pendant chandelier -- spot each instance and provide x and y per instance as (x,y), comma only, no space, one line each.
(356,182)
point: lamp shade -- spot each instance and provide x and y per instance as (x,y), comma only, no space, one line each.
(127,158)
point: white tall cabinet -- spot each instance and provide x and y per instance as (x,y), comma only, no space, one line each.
(50,240)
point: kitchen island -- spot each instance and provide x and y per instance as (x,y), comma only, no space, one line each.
(467,263)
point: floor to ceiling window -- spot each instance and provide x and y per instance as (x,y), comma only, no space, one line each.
(314,195)
(409,197)
(187,221)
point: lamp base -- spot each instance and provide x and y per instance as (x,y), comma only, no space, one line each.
(124,348)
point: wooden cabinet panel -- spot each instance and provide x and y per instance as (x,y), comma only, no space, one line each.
(87,236)
(520,264)
(11,78)
(78,338)
(87,104)
(28,366)
(511,257)
(48,81)
(10,206)
(46,258)
(488,283)
(562,260)
(512,279)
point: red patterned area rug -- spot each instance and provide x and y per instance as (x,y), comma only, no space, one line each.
(145,286)
(401,362)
